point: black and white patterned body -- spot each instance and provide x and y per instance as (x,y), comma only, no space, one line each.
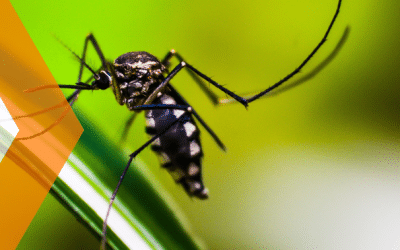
(179,148)
(137,76)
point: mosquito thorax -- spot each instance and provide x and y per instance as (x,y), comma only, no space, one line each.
(138,74)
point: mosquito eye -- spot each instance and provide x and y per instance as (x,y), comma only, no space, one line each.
(104,80)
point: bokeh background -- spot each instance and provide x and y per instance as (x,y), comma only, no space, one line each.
(313,168)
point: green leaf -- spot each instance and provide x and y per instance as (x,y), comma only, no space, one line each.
(141,217)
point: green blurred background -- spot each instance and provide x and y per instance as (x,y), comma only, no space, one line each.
(315,167)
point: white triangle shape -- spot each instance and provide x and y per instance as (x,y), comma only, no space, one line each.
(8,130)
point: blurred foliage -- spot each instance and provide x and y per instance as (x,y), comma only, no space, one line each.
(315,167)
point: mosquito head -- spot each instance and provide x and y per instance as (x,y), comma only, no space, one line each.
(138,75)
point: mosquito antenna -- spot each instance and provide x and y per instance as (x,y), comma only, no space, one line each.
(78,57)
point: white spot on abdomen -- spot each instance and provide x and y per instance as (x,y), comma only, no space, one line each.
(193,186)
(178,113)
(150,122)
(177,174)
(193,169)
(165,159)
(156,142)
(149,114)
(166,99)
(189,128)
(194,148)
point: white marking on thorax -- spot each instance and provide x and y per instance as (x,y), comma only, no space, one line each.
(140,64)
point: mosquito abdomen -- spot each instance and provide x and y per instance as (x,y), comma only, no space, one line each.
(179,148)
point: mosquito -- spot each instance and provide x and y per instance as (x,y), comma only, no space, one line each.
(143,83)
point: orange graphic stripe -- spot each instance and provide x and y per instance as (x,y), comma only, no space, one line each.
(30,166)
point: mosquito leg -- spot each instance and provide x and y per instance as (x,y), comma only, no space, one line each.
(131,156)
(48,128)
(211,95)
(127,126)
(297,70)
(164,84)
(70,100)
(90,38)
(78,87)
(182,107)
(62,104)
(165,61)
(304,78)
(73,97)
(147,107)
(82,60)
(244,101)
(208,79)
(202,122)
(161,106)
